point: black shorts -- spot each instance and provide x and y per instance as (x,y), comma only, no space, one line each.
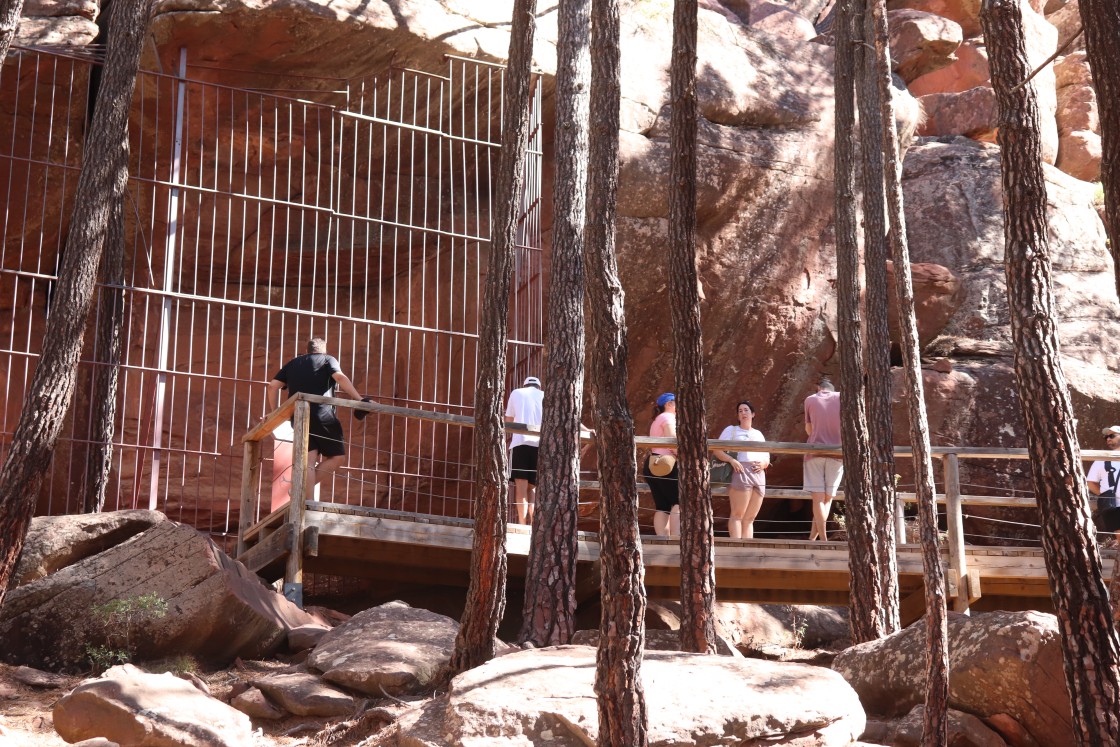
(1107,518)
(325,436)
(664,489)
(523,463)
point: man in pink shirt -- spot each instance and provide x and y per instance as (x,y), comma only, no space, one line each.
(822,475)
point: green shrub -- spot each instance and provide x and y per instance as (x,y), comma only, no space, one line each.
(120,617)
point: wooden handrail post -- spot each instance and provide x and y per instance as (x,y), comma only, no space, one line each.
(293,572)
(250,496)
(899,519)
(958,563)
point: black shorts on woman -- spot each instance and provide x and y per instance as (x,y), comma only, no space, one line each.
(664,489)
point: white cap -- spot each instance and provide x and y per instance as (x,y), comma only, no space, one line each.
(532,381)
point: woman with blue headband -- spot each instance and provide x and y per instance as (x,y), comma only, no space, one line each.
(660,470)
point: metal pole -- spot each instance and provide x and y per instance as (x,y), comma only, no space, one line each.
(168,283)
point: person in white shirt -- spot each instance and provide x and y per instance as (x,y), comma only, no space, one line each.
(1103,479)
(525,406)
(748,478)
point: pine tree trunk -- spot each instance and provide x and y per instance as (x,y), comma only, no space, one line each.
(1101,21)
(698,580)
(10,11)
(1089,640)
(935,727)
(550,582)
(865,588)
(102,182)
(880,429)
(618,664)
(107,368)
(486,594)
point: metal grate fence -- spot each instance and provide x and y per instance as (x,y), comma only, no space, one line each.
(358,210)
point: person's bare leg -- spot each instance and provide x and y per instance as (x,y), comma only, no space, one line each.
(822,504)
(738,508)
(753,504)
(522,491)
(661,523)
(530,503)
(675,522)
(319,472)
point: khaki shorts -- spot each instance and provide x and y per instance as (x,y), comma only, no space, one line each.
(823,475)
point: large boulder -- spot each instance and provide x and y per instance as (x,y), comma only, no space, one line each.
(963,730)
(1067,19)
(546,697)
(305,694)
(1079,139)
(922,42)
(54,542)
(216,610)
(137,709)
(50,8)
(392,649)
(954,214)
(970,69)
(1002,663)
(972,113)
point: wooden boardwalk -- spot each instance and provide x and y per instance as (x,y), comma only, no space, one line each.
(345,540)
(406,548)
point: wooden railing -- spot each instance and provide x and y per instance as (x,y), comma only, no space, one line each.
(961,582)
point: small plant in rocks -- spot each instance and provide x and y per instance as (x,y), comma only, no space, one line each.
(122,617)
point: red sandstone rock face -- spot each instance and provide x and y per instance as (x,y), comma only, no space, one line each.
(766,256)
(922,42)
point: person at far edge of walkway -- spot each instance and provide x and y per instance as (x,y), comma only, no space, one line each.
(822,475)
(1103,480)
(526,405)
(748,477)
(315,372)
(666,498)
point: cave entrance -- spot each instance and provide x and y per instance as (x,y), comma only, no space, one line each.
(265,207)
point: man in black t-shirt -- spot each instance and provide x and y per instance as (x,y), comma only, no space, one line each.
(318,373)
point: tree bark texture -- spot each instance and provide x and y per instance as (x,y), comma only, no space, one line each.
(486,594)
(698,580)
(102,182)
(550,583)
(859,512)
(880,429)
(935,726)
(107,351)
(1089,640)
(618,668)
(10,11)
(1101,21)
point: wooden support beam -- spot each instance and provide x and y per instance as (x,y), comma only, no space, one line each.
(277,546)
(958,561)
(311,542)
(250,497)
(293,573)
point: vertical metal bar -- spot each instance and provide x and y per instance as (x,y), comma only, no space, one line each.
(958,562)
(168,269)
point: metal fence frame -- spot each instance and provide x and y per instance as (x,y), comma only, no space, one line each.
(355,209)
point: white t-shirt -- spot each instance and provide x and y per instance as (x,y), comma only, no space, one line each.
(1098,474)
(525,406)
(735,433)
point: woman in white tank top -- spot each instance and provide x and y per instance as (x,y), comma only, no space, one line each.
(748,477)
